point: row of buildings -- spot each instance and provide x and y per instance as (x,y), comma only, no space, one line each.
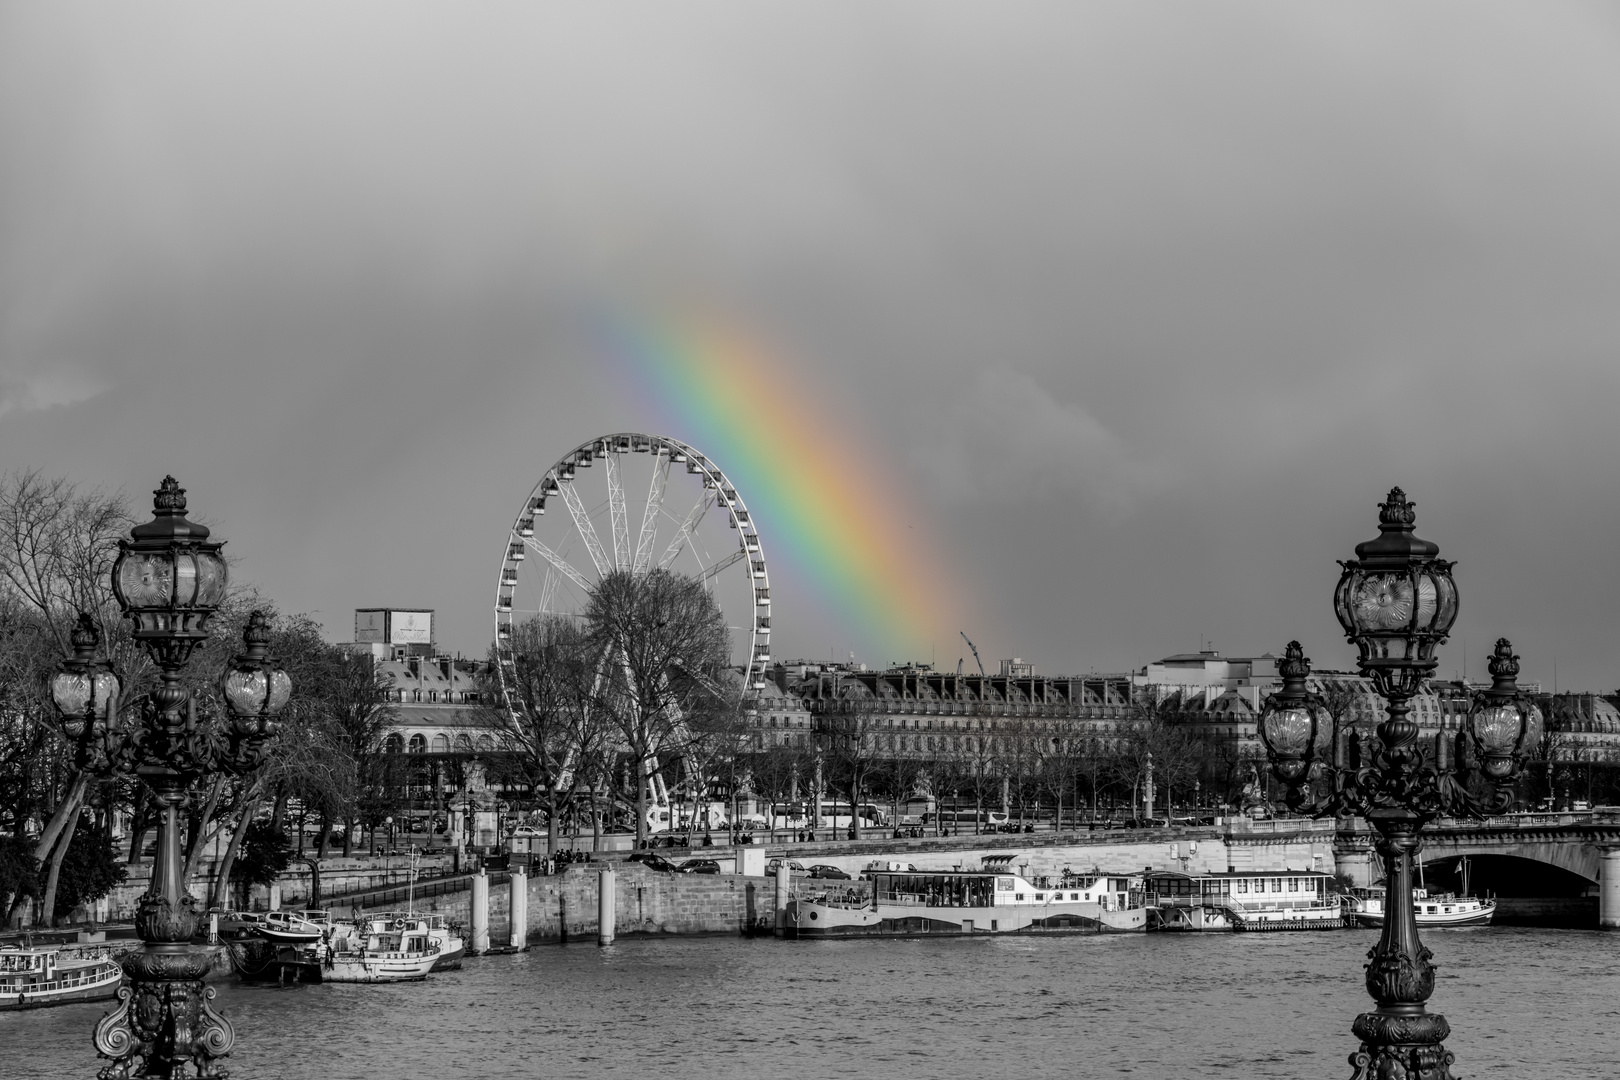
(913,711)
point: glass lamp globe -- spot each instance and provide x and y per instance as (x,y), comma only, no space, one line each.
(1396,600)
(1293,720)
(85,691)
(255,689)
(169,578)
(1505,725)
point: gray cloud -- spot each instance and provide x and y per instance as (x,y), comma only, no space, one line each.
(1153,302)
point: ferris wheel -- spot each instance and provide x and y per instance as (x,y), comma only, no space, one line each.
(553,562)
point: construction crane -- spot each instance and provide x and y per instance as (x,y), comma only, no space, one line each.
(975,649)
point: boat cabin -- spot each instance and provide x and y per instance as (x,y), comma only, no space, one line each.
(997,886)
(1272,889)
(26,967)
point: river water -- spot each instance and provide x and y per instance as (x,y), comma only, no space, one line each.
(1522,1003)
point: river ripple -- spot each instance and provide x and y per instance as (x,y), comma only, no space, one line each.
(1522,1002)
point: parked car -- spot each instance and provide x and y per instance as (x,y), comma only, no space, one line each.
(698,866)
(653,862)
(828,873)
(776,864)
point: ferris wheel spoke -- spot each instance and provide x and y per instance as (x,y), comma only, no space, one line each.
(649,519)
(685,533)
(587,531)
(618,514)
(549,588)
(714,568)
(559,562)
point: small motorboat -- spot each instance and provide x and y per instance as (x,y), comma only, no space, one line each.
(293,927)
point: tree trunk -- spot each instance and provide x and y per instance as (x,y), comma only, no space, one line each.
(138,825)
(641,801)
(326,837)
(197,842)
(48,904)
(221,890)
(278,814)
(855,804)
(66,810)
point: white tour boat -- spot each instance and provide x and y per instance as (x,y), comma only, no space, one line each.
(1242,900)
(31,978)
(363,954)
(1366,908)
(451,947)
(903,901)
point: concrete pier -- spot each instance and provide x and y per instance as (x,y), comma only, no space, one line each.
(784,881)
(1609,888)
(604,907)
(480,914)
(520,909)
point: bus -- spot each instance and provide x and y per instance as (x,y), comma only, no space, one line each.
(834,815)
(978,820)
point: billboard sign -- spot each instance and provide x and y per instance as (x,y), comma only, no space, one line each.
(410,627)
(371,625)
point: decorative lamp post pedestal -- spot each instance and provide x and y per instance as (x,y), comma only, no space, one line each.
(169,581)
(1397,602)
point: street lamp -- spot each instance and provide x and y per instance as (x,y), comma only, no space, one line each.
(169,581)
(1397,602)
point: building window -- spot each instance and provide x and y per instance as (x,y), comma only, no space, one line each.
(418,744)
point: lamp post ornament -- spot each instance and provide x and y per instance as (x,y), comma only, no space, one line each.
(169,580)
(1397,602)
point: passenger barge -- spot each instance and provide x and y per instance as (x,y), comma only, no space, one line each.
(32,978)
(1242,900)
(906,902)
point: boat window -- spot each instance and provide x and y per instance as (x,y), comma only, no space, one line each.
(1293,885)
(1276,884)
(1020,896)
(1243,885)
(1042,896)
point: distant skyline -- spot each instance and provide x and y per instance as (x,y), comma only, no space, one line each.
(1134,310)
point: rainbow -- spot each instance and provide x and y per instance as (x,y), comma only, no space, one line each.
(830,513)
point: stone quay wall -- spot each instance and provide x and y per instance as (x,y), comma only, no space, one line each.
(338,875)
(563,907)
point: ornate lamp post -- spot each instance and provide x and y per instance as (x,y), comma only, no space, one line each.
(1397,602)
(169,580)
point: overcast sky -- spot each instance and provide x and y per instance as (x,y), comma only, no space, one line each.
(1147,305)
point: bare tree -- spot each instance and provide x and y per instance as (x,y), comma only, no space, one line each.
(1158,740)
(668,657)
(547,702)
(57,547)
(849,740)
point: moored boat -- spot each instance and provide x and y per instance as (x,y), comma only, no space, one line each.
(906,902)
(293,927)
(32,978)
(362,954)
(1242,900)
(1366,908)
(452,947)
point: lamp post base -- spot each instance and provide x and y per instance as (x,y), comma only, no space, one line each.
(1402,1046)
(163,1026)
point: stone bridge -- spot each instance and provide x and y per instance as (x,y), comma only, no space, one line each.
(1561,867)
